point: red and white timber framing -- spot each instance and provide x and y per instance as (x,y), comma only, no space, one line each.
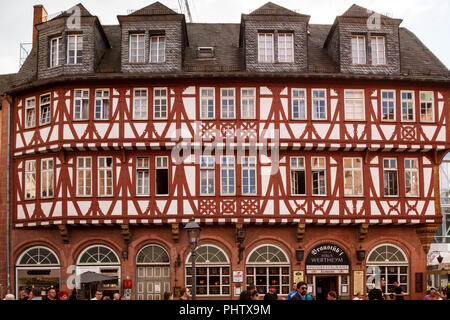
(124,139)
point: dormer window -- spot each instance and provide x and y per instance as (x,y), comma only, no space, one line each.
(378,50)
(265,48)
(205,52)
(285,47)
(157,49)
(137,48)
(75,49)
(358,49)
(55,52)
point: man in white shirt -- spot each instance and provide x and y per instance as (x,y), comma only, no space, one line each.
(358,296)
(98,295)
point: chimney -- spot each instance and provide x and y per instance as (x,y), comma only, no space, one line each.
(39,16)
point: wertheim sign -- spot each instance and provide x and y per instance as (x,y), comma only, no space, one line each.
(327,258)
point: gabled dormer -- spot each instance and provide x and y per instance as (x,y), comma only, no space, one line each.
(274,39)
(364,42)
(71,43)
(153,40)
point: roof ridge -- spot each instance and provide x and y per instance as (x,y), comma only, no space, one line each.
(156,8)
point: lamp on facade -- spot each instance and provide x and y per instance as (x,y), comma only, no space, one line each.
(193,237)
(440,258)
(360,254)
(299,254)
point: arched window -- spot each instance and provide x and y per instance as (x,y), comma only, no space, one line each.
(266,266)
(389,262)
(212,271)
(153,254)
(38,256)
(98,254)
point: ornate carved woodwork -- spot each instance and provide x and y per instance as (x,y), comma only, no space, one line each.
(64,233)
(125,232)
(175,232)
(301,228)
(426,235)
(363,229)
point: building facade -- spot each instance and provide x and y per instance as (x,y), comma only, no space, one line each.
(306,152)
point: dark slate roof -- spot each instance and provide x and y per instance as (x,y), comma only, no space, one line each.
(154,9)
(112,56)
(84,12)
(272,9)
(5,81)
(318,59)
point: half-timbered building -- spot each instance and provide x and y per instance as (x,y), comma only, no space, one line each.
(305,152)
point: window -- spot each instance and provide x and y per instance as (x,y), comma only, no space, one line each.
(286,47)
(268,266)
(412,177)
(84,176)
(153,255)
(38,256)
(137,48)
(101,104)
(55,52)
(157,49)
(353,177)
(298,176)
(162,176)
(140,103)
(354,105)
(389,262)
(207,104)
(160,103)
(81,105)
(142,176)
(30,179)
(249,175)
(227,176)
(75,49)
(408,106)
(426,106)
(299,104)
(443,232)
(358,49)
(390,177)
(47,178)
(30,113)
(45,107)
(98,254)
(265,48)
(318,176)
(248,98)
(378,50)
(388,105)
(227,103)
(319,104)
(212,270)
(105,176)
(207,174)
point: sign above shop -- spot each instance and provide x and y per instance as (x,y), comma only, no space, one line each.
(327,258)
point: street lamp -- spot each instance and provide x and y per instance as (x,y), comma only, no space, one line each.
(193,235)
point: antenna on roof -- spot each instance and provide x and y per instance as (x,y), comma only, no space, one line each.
(25,49)
(184,9)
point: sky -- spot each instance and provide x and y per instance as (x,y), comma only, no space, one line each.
(428,19)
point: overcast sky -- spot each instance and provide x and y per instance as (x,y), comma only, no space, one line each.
(428,19)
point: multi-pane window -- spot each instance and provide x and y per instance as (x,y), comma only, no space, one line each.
(84,176)
(227,175)
(411,177)
(286,47)
(162,176)
(160,103)
(207,104)
(388,105)
(299,104)
(47,178)
(101,104)
(358,49)
(227,100)
(318,176)
(248,97)
(105,176)
(81,105)
(44,108)
(378,50)
(248,175)
(298,176)
(140,102)
(353,177)
(390,177)
(75,49)
(142,176)
(426,106)
(265,47)
(157,49)
(354,104)
(407,105)
(319,104)
(55,52)
(137,48)
(207,174)
(30,113)
(30,179)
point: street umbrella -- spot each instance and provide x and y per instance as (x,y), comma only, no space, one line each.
(89,277)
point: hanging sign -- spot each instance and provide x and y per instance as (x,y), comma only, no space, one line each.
(327,258)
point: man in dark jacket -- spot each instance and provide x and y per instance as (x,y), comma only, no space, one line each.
(272,294)
(302,292)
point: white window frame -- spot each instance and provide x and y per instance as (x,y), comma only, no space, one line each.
(377,59)
(108,176)
(390,169)
(142,182)
(142,109)
(30,180)
(45,105)
(247,112)
(30,107)
(361,57)
(319,169)
(249,164)
(100,103)
(427,101)
(229,167)
(348,107)
(83,170)
(81,99)
(158,115)
(299,99)
(204,108)
(295,168)
(264,54)
(412,100)
(77,59)
(412,171)
(313,99)
(55,56)
(284,45)
(139,58)
(162,162)
(354,169)
(159,43)
(207,167)
(47,178)
(388,100)
(228,99)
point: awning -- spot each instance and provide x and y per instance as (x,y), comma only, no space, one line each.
(89,277)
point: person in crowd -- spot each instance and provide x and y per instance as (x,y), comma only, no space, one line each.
(23,296)
(431,295)
(302,292)
(272,294)
(116,296)
(244,296)
(294,291)
(358,296)
(35,294)
(398,291)
(51,295)
(185,294)
(332,295)
(438,296)
(254,295)
(63,295)
(73,296)
(98,295)
(9,296)
(376,293)
(168,295)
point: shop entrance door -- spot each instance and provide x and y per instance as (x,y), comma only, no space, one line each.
(325,284)
(152,282)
